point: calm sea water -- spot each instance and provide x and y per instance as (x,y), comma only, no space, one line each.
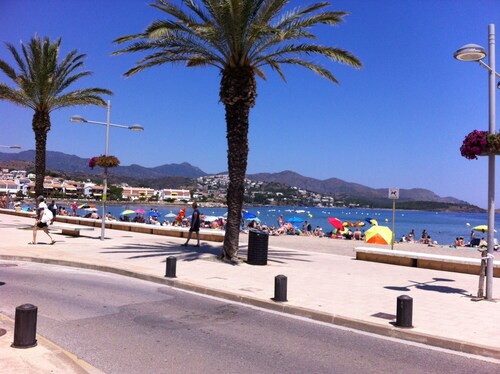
(442,227)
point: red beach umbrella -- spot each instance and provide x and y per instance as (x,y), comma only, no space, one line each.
(335,222)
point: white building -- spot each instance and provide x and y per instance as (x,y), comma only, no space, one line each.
(170,193)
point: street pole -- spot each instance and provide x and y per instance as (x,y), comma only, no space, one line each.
(105,187)
(491,164)
(108,124)
(393,222)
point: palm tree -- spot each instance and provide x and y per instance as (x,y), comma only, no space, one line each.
(238,37)
(40,84)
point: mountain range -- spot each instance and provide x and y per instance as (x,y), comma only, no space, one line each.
(347,190)
(74,164)
(71,165)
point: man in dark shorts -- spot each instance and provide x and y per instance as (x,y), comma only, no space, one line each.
(41,223)
(195,225)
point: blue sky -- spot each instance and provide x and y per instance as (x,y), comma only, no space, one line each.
(397,122)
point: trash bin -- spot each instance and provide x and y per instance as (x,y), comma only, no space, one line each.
(257,247)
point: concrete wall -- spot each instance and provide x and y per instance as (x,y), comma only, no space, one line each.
(178,232)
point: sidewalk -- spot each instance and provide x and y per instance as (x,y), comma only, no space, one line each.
(325,282)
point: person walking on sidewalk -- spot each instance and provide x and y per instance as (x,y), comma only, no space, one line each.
(195,225)
(43,218)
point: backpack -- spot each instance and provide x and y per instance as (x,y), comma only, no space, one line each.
(47,216)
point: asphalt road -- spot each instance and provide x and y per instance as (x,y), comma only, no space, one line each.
(122,325)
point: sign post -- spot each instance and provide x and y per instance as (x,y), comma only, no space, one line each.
(393,195)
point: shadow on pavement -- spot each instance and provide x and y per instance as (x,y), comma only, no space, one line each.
(427,286)
(192,253)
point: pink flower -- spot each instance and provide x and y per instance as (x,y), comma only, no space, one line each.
(475,144)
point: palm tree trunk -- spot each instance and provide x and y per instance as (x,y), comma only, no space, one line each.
(238,93)
(41,126)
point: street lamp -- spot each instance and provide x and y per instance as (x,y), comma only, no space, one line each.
(11,146)
(106,153)
(474,52)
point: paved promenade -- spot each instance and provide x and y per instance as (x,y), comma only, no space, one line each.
(325,282)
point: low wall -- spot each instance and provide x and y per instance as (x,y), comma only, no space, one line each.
(178,232)
(424,260)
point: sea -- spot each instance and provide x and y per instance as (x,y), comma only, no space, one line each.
(443,227)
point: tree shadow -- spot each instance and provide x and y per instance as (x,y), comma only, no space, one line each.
(429,286)
(192,253)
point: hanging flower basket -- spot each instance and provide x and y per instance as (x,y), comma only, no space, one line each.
(104,161)
(480,143)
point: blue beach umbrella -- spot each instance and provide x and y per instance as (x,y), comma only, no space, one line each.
(154,214)
(248,215)
(295,220)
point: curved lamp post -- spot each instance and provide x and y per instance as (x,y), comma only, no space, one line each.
(474,52)
(106,153)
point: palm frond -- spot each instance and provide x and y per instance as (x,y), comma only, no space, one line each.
(318,69)
(88,96)
(236,33)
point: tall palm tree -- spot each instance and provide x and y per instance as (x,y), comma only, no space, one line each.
(238,37)
(40,84)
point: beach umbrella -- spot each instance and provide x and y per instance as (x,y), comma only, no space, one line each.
(482,228)
(170,215)
(335,222)
(154,214)
(378,235)
(91,209)
(295,220)
(210,218)
(256,219)
(86,206)
(248,215)
(126,212)
(371,221)
(139,211)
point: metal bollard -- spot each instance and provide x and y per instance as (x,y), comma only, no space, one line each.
(280,288)
(404,311)
(25,326)
(171,267)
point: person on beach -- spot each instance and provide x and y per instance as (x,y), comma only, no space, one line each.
(3,201)
(195,225)
(53,208)
(425,237)
(411,236)
(43,217)
(307,228)
(357,234)
(74,208)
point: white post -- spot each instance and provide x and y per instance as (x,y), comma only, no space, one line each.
(105,187)
(393,222)
(491,163)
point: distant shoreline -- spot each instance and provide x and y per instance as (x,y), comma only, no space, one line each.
(221,205)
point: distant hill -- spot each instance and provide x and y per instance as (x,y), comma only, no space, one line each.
(346,190)
(180,175)
(74,164)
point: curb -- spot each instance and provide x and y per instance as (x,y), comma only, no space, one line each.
(356,324)
(53,347)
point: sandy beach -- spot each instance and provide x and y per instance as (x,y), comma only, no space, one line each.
(346,247)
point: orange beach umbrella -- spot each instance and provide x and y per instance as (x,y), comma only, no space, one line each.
(378,235)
